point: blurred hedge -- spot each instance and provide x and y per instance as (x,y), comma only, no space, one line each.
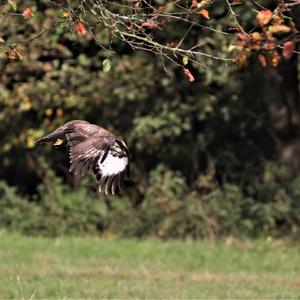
(204,154)
(169,208)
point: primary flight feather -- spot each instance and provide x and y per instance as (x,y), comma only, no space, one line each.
(93,148)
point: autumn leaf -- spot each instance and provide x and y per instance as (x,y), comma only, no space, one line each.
(242,57)
(20,54)
(262,59)
(194,3)
(27,12)
(59,112)
(150,24)
(275,59)
(263,17)
(255,46)
(203,3)
(256,36)
(14,54)
(185,60)
(280,28)
(188,74)
(204,13)
(66,14)
(288,49)
(11,55)
(80,28)
(49,112)
(30,142)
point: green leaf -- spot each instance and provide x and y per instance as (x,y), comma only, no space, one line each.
(12,4)
(106,65)
(185,60)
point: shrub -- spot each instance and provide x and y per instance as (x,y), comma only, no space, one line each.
(59,211)
(169,209)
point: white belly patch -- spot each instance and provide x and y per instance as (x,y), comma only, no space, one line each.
(112,165)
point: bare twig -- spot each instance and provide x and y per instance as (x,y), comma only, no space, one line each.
(28,40)
(145,26)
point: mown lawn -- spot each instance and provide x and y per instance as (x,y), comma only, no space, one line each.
(69,267)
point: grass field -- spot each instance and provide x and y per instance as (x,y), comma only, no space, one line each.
(63,268)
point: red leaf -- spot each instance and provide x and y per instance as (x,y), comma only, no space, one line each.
(194,3)
(27,12)
(288,49)
(263,17)
(188,74)
(204,13)
(150,24)
(80,28)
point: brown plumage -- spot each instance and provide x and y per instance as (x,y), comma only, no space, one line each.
(93,148)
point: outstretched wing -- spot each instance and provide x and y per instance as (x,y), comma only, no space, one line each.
(93,147)
(86,151)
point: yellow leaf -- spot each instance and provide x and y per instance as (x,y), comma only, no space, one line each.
(275,59)
(203,3)
(25,106)
(49,112)
(30,142)
(256,36)
(280,28)
(66,14)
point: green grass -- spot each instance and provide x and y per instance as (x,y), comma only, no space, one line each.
(69,267)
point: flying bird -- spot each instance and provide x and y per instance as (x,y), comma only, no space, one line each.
(93,148)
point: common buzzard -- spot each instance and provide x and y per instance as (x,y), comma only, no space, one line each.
(93,148)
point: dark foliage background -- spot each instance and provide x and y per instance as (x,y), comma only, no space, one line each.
(215,157)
